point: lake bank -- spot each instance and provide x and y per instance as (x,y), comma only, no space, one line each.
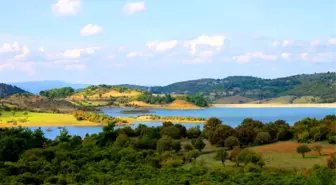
(317,105)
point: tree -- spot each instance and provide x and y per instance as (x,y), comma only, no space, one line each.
(246,156)
(245,136)
(193,132)
(164,144)
(176,145)
(171,131)
(332,139)
(183,130)
(220,134)
(231,141)
(122,141)
(263,138)
(303,149)
(198,144)
(318,148)
(221,155)
(212,123)
(13,113)
(188,147)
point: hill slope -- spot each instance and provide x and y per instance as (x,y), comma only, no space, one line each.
(7,90)
(322,85)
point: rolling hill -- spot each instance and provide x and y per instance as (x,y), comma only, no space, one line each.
(248,88)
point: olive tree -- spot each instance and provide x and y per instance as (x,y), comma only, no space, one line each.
(303,149)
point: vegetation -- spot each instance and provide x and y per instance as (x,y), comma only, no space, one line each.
(302,149)
(135,111)
(8,90)
(321,85)
(140,156)
(98,118)
(58,92)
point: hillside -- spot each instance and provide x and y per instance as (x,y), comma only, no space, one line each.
(321,86)
(8,90)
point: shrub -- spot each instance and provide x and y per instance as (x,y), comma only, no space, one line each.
(252,168)
(176,145)
(122,141)
(171,131)
(263,138)
(193,132)
(332,139)
(164,144)
(198,143)
(212,123)
(188,147)
(221,155)
(331,162)
(318,148)
(246,156)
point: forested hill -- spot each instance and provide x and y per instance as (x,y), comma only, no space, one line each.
(319,84)
(7,90)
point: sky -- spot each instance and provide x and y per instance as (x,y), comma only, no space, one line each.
(156,42)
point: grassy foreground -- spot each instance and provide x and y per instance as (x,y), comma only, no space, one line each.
(8,119)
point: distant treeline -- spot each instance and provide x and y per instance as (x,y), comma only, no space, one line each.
(96,118)
(58,92)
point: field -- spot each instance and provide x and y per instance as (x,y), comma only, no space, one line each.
(281,155)
(39,119)
(177,104)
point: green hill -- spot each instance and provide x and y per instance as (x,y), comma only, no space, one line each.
(322,85)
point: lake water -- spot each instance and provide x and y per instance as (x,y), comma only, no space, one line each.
(229,116)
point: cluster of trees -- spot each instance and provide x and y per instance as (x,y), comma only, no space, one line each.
(196,99)
(101,89)
(8,90)
(96,118)
(145,155)
(254,132)
(58,92)
(152,99)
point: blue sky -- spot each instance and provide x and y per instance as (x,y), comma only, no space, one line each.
(160,42)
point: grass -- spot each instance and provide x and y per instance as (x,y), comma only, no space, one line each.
(280,155)
(40,119)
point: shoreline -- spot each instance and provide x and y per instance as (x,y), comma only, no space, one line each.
(316,105)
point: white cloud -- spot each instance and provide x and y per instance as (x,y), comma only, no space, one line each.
(215,42)
(41,49)
(303,56)
(162,46)
(138,54)
(251,55)
(206,53)
(25,52)
(79,67)
(7,47)
(66,7)
(75,53)
(285,55)
(287,43)
(132,8)
(275,44)
(26,67)
(91,29)
(332,41)
(315,43)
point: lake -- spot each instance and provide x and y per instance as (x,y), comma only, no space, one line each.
(229,116)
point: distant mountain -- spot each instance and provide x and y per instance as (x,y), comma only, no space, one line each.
(37,86)
(7,90)
(320,84)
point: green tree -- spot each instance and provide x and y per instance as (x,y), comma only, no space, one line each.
(303,149)
(263,138)
(171,131)
(198,144)
(231,142)
(122,141)
(212,123)
(188,147)
(164,144)
(221,155)
(193,132)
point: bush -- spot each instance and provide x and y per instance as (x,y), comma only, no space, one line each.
(231,141)
(263,138)
(332,139)
(252,168)
(198,143)
(188,147)
(193,132)
(171,131)
(122,141)
(176,145)
(164,144)
(212,123)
